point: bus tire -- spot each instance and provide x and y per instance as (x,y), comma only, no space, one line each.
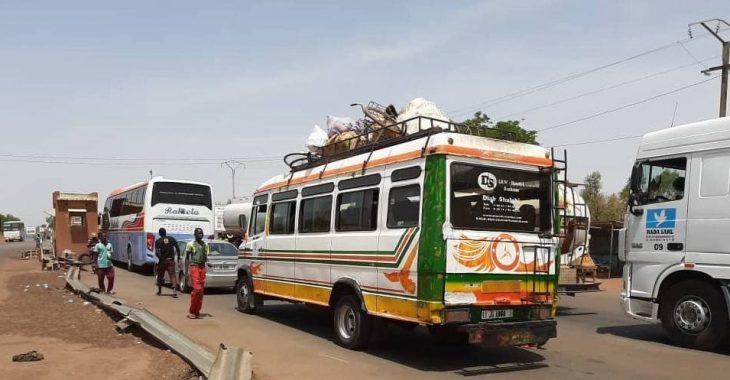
(353,325)
(694,315)
(245,297)
(130,265)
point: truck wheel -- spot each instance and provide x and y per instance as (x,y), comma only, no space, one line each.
(245,297)
(694,315)
(352,324)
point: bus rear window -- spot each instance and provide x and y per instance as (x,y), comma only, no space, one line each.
(487,198)
(181,194)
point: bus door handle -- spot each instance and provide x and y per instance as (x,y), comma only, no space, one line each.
(675,246)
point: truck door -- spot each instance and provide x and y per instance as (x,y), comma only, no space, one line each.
(657,221)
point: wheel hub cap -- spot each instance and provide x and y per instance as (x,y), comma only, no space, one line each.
(692,314)
(346,323)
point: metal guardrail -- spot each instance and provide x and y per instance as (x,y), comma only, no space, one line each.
(230,363)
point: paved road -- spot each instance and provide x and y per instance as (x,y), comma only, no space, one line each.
(290,341)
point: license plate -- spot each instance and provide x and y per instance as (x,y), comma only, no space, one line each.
(497,314)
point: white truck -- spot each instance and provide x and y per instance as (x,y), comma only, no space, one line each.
(677,262)
(235,221)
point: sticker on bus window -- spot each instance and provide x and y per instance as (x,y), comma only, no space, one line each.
(487,181)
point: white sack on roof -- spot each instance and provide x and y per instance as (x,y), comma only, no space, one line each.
(337,125)
(421,107)
(317,139)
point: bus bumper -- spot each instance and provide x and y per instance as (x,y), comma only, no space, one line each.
(502,334)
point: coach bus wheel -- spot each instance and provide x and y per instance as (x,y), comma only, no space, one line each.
(245,295)
(694,315)
(130,266)
(352,324)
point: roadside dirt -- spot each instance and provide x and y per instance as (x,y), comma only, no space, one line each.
(77,339)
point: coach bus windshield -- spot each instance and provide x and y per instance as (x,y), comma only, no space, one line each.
(181,194)
(496,199)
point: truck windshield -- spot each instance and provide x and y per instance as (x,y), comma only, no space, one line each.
(488,198)
(181,194)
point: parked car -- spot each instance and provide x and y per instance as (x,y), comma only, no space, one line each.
(221,266)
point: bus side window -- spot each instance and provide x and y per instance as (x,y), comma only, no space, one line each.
(403,206)
(258,220)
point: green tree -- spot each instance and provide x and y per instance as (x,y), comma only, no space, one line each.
(503,130)
(603,207)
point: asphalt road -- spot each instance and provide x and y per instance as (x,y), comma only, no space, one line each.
(595,340)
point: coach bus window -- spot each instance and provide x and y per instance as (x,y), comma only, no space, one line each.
(403,205)
(357,211)
(181,194)
(488,198)
(315,214)
(282,218)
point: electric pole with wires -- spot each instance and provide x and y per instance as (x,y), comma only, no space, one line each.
(233,165)
(725,58)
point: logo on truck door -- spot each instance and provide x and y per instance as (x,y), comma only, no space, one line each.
(660,224)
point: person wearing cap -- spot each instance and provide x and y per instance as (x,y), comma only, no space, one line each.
(196,255)
(167,252)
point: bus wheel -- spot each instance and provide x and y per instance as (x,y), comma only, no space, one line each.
(352,324)
(130,266)
(694,315)
(245,298)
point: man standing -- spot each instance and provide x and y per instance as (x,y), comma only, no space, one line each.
(93,241)
(167,252)
(196,255)
(104,267)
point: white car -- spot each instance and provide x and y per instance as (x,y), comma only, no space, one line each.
(221,266)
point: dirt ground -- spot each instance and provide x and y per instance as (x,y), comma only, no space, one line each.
(78,340)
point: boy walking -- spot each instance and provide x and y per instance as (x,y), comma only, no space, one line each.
(104,267)
(196,254)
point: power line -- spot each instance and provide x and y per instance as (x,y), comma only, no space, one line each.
(530,90)
(161,159)
(599,141)
(611,87)
(626,105)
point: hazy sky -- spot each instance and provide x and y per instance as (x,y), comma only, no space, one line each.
(166,80)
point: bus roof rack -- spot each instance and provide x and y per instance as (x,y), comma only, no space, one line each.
(375,136)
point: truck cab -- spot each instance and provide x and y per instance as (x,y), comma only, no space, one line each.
(677,266)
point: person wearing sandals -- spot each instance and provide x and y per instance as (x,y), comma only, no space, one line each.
(104,267)
(167,251)
(196,255)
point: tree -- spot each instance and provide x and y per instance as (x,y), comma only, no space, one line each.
(503,130)
(7,218)
(603,207)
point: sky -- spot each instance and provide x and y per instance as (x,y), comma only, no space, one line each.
(94,95)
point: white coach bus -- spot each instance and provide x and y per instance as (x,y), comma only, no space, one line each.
(677,262)
(134,214)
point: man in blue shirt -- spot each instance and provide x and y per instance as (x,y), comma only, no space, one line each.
(104,267)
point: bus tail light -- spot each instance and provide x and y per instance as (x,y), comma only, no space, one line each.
(150,241)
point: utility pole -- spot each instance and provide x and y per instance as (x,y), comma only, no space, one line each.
(725,58)
(233,165)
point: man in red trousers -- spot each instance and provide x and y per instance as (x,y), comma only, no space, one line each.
(196,254)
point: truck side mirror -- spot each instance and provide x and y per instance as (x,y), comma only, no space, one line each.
(636,174)
(633,201)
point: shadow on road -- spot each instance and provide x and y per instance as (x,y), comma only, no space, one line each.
(410,347)
(648,333)
(568,311)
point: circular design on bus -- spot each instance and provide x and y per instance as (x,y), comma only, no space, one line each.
(506,252)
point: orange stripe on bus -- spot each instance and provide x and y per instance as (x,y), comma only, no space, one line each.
(439,149)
